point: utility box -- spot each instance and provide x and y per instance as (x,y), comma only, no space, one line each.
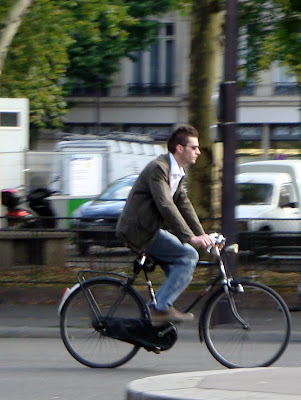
(14,141)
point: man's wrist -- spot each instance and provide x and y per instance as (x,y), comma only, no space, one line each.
(192,240)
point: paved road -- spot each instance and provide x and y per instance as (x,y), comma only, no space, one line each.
(41,369)
(35,366)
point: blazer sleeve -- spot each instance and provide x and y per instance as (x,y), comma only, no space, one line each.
(188,212)
(180,218)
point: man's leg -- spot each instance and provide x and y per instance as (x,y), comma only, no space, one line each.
(178,260)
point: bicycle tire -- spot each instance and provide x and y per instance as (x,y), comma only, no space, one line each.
(85,343)
(258,345)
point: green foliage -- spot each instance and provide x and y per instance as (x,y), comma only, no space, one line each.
(75,42)
(37,60)
(272,31)
(107,31)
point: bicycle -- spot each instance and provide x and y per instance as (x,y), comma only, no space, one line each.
(104,320)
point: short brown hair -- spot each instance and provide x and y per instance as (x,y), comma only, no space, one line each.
(180,136)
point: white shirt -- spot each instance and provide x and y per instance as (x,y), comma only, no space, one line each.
(176,174)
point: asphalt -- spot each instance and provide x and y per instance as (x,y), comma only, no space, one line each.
(41,320)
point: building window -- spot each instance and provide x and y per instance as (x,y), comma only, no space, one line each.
(285,83)
(290,132)
(249,132)
(9,119)
(154,64)
(156,131)
(169,29)
(246,86)
(81,91)
(137,67)
(152,70)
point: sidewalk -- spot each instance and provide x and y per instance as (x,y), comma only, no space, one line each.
(240,384)
(29,320)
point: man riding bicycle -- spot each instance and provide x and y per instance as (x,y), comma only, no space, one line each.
(159,219)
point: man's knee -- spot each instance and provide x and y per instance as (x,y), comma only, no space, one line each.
(192,256)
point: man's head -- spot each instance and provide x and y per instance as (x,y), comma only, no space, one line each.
(180,136)
(183,143)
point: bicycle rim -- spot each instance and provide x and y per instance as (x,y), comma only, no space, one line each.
(261,342)
(86,344)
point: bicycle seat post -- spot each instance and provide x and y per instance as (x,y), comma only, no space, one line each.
(147,265)
(150,287)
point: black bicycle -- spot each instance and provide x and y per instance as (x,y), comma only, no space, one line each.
(104,321)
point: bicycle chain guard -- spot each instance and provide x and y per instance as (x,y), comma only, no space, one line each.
(140,332)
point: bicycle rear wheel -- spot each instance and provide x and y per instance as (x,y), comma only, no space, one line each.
(258,343)
(78,323)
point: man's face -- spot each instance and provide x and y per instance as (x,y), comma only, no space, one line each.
(189,153)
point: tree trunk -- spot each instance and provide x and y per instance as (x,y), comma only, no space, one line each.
(11,26)
(205,72)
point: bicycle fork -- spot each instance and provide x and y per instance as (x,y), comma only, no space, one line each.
(238,289)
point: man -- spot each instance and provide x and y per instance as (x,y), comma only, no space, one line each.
(159,219)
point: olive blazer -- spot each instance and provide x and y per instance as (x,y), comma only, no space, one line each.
(150,207)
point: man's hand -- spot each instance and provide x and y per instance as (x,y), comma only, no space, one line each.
(202,241)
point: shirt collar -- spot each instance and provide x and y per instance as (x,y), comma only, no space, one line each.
(174,167)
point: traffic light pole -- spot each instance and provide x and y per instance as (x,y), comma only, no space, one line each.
(228,124)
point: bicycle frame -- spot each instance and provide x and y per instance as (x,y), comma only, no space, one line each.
(224,278)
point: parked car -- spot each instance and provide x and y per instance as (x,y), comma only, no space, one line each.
(269,204)
(94,222)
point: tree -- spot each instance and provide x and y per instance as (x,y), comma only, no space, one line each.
(272,33)
(11,26)
(206,33)
(63,43)
(37,60)
(105,32)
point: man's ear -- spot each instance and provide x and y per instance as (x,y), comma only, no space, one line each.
(179,148)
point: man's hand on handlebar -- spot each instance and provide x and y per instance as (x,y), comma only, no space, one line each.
(208,241)
(202,241)
(219,240)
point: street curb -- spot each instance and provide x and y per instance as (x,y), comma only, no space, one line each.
(29,332)
(261,383)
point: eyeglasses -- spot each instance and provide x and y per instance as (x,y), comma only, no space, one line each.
(192,147)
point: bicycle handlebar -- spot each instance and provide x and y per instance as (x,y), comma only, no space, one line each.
(218,238)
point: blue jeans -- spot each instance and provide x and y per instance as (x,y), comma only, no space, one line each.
(178,262)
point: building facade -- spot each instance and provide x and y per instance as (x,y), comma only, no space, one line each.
(149,96)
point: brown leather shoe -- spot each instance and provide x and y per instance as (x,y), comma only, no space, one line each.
(170,315)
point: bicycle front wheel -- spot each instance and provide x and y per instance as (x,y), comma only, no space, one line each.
(256,336)
(79,324)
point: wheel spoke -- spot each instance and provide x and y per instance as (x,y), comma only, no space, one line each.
(263,336)
(83,339)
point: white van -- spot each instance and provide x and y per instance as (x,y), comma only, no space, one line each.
(269,196)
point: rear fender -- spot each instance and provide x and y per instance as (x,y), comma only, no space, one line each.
(66,295)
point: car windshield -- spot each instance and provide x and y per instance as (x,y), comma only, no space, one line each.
(254,193)
(119,190)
